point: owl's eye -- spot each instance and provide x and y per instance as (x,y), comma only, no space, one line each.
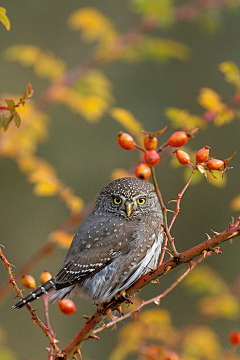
(117,200)
(141,201)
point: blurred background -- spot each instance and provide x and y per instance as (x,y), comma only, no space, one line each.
(84,154)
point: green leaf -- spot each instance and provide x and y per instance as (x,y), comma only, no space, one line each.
(4,19)
(17,119)
(10,104)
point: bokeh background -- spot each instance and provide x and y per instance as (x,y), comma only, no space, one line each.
(85,155)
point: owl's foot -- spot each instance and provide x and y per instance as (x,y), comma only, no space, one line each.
(128,298)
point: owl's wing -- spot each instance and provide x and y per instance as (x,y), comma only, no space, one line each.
(96,243)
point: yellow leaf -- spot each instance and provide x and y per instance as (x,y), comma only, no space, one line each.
(235,203)
(231,71)
(62,238)
(45,64)
(210,100)
(75,204)
(4,19)
(94,25)
(45,188)
(202,342)
(128,121)
(226,116)
(182,119)
(218,180)
(159,49)
(161,10)
(91,108)
(222,305)
(204,280)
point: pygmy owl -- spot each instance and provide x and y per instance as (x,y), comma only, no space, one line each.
(112,248)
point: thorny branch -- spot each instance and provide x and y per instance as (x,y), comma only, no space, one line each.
(87,331)
(35,318)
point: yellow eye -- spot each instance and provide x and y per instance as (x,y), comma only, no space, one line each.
(141,201)
(117,200)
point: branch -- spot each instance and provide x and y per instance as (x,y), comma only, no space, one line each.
(203,249)
(156,299)
(35,318)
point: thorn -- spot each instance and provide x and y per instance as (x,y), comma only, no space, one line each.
(175,201)
(151,268)
(208,237)
(190,264)
(204,252)
(135,315)
(92,336)
(78,351)
(74,356)
(215,232)
(171,211)
(2,246)
(169,252)
(167,269)
(88,318)
(119,310)
(158,282)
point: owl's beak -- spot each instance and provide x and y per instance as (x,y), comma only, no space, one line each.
(129,208)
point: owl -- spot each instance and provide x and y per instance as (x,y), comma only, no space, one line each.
(116,244)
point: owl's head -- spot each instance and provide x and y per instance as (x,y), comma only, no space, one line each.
(128,197)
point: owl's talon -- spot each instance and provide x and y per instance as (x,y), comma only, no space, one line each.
(119,310)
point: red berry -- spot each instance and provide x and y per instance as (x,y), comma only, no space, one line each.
(215,164)
(67,306)
(150,142)
(177,139)
(143,171)
(28,281)
(202,154)
(151,157)
(126,141)
(45,276)
(234,337)
(183,157)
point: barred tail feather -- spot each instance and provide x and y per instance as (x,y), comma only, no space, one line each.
(36,294)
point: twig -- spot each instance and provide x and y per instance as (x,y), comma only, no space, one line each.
(35,318)
(164,211)
(177,210)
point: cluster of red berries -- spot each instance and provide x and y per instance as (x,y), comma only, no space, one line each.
(66,306)
(176,140)
(151,156)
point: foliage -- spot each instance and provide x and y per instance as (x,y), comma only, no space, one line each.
(88,91)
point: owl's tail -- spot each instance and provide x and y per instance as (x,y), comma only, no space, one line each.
(36,294)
